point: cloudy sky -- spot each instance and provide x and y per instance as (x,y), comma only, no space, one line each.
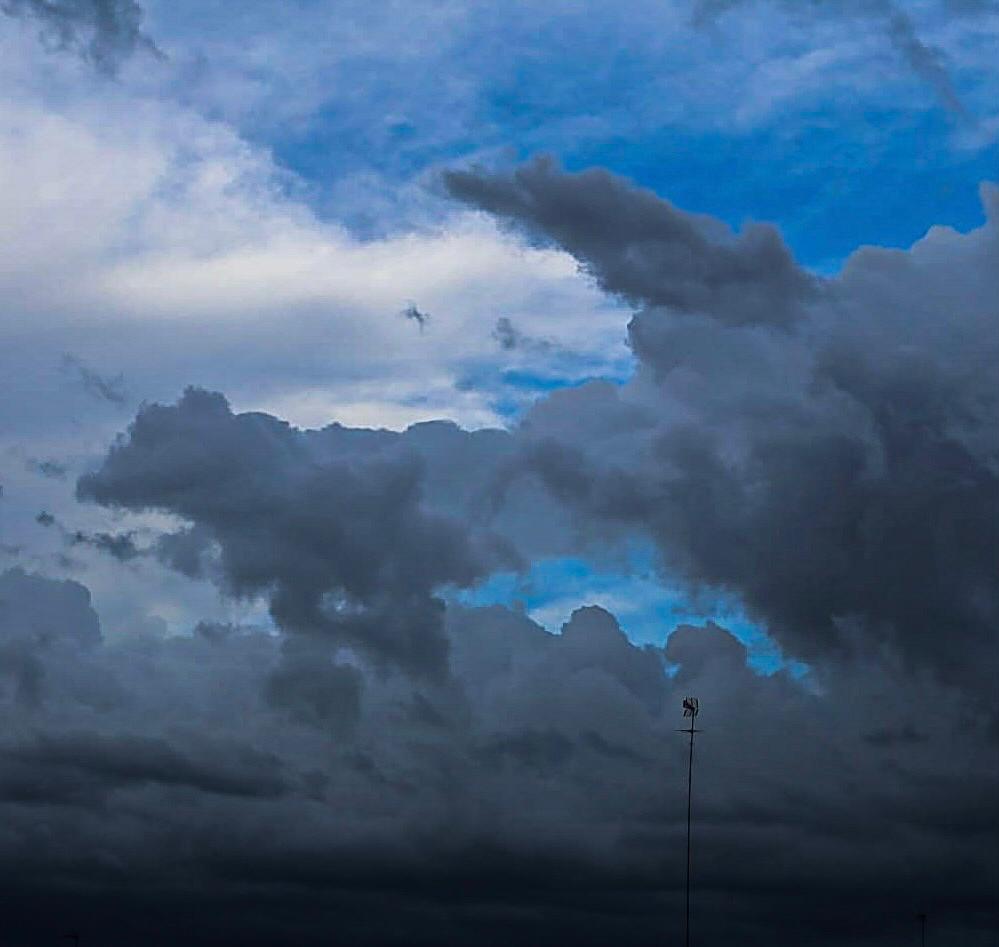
(404,405)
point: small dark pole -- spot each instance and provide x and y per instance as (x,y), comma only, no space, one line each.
(922,929)
(691,709)
(74,937)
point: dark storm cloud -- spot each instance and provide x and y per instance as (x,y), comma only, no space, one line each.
(840,477)
(886,736)
(188,551)
(313,690)
(39,618)
(104,32)
(43,610)
(340,543)
(641,248)
(70,762)
(110,389)
(537,794)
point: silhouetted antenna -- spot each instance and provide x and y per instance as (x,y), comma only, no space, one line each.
(691,708)
(922,929)
(74,937)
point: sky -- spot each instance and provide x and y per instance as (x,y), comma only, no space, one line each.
(404,406)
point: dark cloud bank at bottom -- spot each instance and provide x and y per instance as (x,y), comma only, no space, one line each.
(155,789)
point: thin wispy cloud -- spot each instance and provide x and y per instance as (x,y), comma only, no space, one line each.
(103,387)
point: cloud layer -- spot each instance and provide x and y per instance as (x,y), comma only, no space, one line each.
(536,793)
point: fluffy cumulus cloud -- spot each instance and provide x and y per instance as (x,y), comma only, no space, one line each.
(338,539)
(838,472)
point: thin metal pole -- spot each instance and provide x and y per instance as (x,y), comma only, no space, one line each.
(690,708)
(690,777)
(922,929)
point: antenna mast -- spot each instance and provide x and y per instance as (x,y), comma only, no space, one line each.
(691,708)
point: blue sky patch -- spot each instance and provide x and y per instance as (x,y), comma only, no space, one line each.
(647,608)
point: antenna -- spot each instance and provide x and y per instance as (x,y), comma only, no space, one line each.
(922,928)
(691,708)
(74,937)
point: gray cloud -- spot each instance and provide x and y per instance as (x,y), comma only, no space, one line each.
(119,545)
(927,63)
(888,736)
(39,618)
(538,790)
(640,247)
(104,32)
(45,611)
(504,333)
(188,551)
(510,338)
(110,389)
(339,543)
(839,477)
(313,689)
(70,765)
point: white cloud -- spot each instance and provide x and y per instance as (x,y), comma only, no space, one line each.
(128,220)
(147,240)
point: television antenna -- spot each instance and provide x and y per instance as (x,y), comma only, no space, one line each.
(691,708)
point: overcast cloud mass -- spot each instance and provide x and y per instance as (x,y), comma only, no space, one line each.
(402,408)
